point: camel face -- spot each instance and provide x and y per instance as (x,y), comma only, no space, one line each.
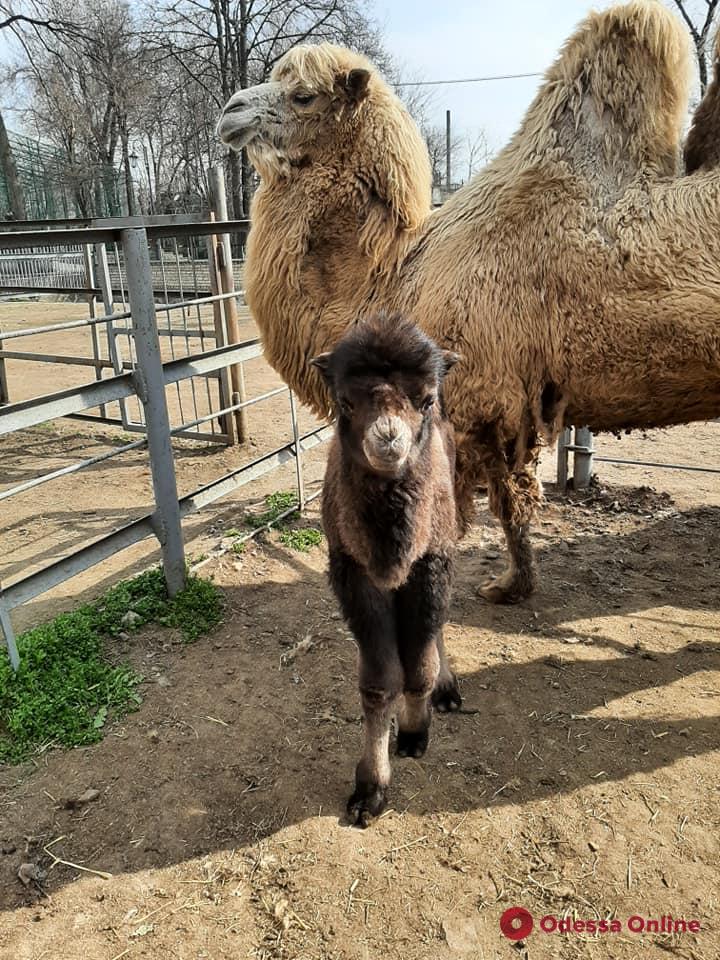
(385,378)
(313,90)
(250,113)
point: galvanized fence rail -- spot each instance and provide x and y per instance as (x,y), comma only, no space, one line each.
(145,378)
(582,449)
(189,269)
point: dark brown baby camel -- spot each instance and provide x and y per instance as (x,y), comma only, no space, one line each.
(390,519)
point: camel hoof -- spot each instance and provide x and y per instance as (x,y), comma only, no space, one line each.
(367,801)
(412,743)
(505,590)
(446,696)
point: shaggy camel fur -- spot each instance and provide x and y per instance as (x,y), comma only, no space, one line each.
(578,274)
(702,148)
(389,516)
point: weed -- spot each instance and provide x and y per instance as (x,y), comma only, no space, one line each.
(48,426)
(302,539)
(238,547)
(275,505)
(66,689)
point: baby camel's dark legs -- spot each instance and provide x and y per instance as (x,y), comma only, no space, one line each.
(371,617)
(421,608)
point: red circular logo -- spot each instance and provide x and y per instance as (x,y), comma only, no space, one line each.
(516,923)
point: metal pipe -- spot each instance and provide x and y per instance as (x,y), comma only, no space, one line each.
(55,358)
(31,586)
(28,413)
(73,468)
(223,256)
(298,457)
(151,390)
(663,466)
(4,387)
(135,445)
(563,446)
(7,629)
(582,460)
(108,318)
(65,237)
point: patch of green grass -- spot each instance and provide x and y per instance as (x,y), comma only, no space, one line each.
(302,539)
(47,427)
(238,547)
(275,505)
(233,532)
(66,689)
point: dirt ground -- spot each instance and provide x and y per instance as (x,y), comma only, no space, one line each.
(581,779)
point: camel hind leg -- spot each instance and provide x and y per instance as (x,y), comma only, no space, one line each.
(509,471)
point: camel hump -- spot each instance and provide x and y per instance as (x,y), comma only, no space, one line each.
(702,148)
(616,97)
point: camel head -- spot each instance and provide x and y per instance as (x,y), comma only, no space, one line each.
(328,105)
(312,91)
(385,377)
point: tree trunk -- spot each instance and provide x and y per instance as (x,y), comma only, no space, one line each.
(129,185)
(9,171)
(236,185)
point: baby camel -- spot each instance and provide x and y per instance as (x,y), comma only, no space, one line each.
(390,520)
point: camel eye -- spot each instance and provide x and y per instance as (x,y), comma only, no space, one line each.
(345,406)
(427,404)
(303,99)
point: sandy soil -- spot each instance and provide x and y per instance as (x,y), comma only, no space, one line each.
(581,779)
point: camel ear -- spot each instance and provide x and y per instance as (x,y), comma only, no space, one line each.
(450,358)
(355,85)
(322,362)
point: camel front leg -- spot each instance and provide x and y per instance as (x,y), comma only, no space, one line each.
(421,607)
(371,617)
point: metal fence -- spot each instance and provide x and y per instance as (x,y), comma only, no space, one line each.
(582,449)
(141,377)
(188,270)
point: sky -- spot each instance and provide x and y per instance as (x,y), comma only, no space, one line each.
(441,39)
(448,39)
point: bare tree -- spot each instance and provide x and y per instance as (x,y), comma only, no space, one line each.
(85,87)
(477,152)
(13,19)
(224,45)
(8,169)
(436,141)
(700,15)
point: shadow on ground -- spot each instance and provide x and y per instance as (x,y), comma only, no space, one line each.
(239,736)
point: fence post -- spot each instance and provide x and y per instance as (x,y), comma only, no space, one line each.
(298,451)
(4,389)
(218,200)
(90,281)
(582,461)
(221,336)
(150,386)
(103,276)
(7,629)
(564,441)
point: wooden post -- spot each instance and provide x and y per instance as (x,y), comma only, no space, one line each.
(221,337)
(223,255)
